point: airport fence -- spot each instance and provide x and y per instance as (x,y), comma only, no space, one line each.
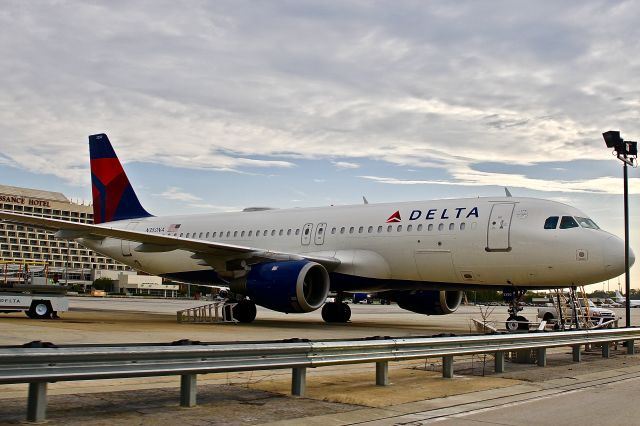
(39,363)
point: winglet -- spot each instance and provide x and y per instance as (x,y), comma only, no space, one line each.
(113,195)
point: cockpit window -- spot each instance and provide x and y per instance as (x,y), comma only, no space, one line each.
(568,222)
(585,222)
(551,222)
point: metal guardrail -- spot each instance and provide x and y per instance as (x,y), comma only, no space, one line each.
(38,363)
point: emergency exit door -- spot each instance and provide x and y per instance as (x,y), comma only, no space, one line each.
(498,231)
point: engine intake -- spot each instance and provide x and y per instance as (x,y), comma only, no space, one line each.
(429,302)
(292,286)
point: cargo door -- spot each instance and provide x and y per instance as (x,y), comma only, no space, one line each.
(499,227)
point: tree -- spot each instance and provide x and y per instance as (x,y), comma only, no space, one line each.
(105,284)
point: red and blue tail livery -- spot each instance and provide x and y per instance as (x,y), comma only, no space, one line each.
(113,196)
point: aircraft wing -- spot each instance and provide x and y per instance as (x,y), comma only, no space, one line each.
(218,255)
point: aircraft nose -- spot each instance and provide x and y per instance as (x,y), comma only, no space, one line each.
(614,255)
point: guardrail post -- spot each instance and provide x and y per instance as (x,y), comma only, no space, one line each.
(188,390)
(37,402)
(577,355)
(606,352)
(499,362)
(447,366)
(298,381)
(630,347)
(382,373)
(541,357)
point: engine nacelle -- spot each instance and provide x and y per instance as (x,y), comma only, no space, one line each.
(292,286)
(429,302)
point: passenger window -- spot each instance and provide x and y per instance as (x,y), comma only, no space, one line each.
(181,234)
(389,228)
(462,226)
(430,227)
(342,230)
(281,232)
(551,222)
(273,232)
(242,234)
(351,230)
(420,227)
(298,231)
(250,234)
(258,233)
(451,226)
(213,235)
(441,227)
(228,234)
(568,222)
(200,236)
(360,230)
(235,234)
(409,228)
(379,229)
(207,236)
(399,228)
(370,229)
(289,231)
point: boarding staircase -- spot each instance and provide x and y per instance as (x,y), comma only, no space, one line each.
(216,312)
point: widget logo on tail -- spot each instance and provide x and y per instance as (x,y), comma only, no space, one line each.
(113,195)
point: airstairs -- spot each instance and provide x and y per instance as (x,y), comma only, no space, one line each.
(216,312)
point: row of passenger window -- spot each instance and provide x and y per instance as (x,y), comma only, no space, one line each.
(342,230)
(569,222)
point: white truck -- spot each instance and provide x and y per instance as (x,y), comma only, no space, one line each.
(37,305)
(597,316)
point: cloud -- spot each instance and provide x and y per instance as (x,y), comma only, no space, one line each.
(345,165)
(175,193)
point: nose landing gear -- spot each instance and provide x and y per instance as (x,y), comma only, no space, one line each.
(515,322)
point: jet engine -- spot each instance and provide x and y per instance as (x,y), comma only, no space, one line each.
(429,302)
(291,286)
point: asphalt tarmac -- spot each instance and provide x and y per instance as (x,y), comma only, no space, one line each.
(335,395)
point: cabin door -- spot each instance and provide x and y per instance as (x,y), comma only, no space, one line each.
(126,244)
(499,227)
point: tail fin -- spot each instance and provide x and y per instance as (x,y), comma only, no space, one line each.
(113,195)
(619,297)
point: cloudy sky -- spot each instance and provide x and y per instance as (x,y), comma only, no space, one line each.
(216,106)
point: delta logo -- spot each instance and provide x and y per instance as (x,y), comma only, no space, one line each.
(435,214)
(394,217)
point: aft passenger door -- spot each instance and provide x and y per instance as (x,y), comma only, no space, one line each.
(321,229)
(499,227)
(125,244)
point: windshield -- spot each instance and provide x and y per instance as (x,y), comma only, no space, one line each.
(585,222)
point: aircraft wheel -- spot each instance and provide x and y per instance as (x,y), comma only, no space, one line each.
(336,312)
(245,311)
(512,324)
(523,323)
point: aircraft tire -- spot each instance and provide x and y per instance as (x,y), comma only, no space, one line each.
(512,324)
(245,311)
(336,312)
(523,323)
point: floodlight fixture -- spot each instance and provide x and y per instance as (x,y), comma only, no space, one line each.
(612,138)
(627,152)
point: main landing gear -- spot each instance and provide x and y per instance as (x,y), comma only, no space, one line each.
(515,322)
(337,311)
(244,311)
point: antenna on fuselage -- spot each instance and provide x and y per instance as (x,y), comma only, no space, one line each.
(365,199)
(506,190)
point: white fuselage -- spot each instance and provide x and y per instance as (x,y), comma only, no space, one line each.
(474,241)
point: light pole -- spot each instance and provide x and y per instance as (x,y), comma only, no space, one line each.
(627,152)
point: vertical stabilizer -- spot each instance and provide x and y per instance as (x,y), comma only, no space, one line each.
(113,195)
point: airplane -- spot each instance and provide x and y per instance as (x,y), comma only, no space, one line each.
(622,301)
(421,254)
